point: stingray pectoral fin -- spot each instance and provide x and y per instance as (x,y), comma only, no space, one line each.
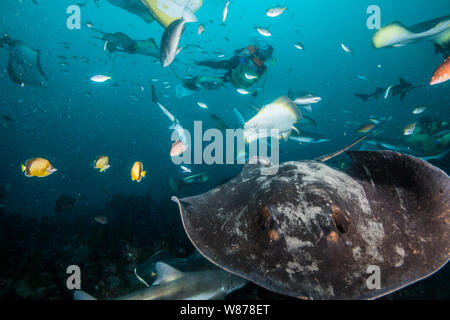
(405,171)
(390,35)
(416,199)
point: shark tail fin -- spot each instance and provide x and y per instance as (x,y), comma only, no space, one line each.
(166,273)
(239,116)
(154,97)
(384,36)
(364,97)
(81,295)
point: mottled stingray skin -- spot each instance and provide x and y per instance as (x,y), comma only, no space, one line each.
(311,231)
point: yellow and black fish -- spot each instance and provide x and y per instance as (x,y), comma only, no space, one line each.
(102,163)
(137,171)
(38,167)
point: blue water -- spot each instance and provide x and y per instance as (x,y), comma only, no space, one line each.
(70,127)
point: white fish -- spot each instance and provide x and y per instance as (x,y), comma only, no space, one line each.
(185,169)
(386,94)
(275,11)
(362,77)
(202,105)
(242,91)
(250,76)
(100,78)
(346,48)
(419,109)
(410,129)
(106,44)
(263,31)
(299,46)
(225,12)
(280,115)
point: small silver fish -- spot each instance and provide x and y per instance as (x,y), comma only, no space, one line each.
(263,31)
(275,11)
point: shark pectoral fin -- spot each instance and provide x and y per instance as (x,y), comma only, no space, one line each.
(81,295)
(166,273)
(178,50)
(218,296)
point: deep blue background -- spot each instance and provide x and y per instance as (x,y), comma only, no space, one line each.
(70,128)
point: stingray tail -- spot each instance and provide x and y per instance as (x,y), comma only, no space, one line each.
(335,154)
(364,97)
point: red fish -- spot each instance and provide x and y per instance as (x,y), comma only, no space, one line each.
(177,148)
(442,73)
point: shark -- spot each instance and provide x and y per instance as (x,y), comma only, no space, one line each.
(401,89)
(376,94)
(206,282)
(119,41)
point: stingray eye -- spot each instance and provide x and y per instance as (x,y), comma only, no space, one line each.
(341,221)
(274,236)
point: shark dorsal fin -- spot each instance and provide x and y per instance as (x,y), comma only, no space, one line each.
(166,273)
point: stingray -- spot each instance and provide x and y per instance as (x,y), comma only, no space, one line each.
(313,232)
(24,66)
(135,7)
